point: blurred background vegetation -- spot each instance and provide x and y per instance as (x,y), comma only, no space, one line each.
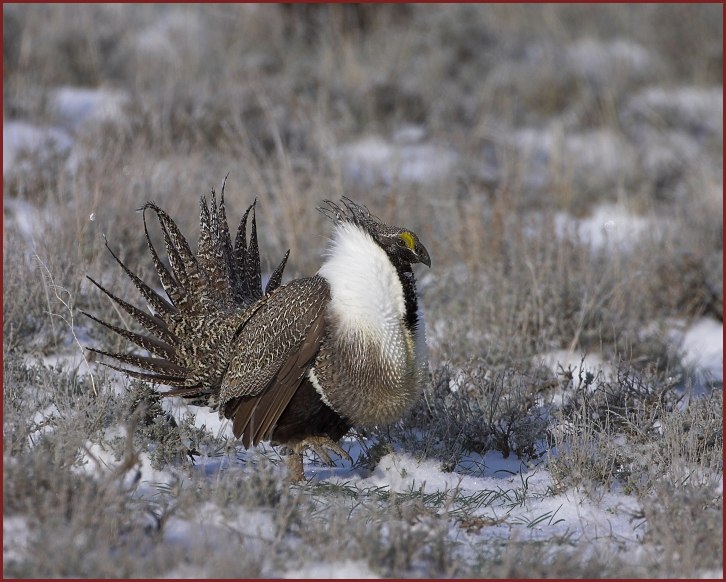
(562,163)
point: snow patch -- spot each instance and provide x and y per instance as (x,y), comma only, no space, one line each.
(186,571)
(697,110)
(372,159)
(344,569)
(592,363)
(598,157)
(457,381)
(592,159)
(252,530)
(21,138)
(67,362)
(409,133)
(31,222)
(664,154)
(203,417)
(174,41)
(75,106)
(580,364)
(42,423)
(162,37)
(609,226)
(16,538)
(605,62)
(98,461)
(515,500)
(702,343)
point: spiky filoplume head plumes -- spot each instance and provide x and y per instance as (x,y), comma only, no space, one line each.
(400,244)
(296,364)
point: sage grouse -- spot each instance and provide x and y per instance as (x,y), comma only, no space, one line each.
(296,364)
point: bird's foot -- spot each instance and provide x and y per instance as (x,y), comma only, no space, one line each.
(317,444)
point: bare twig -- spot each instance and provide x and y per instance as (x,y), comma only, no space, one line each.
(59,291)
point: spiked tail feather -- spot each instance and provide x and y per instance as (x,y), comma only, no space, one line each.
(211,296)
(276,277)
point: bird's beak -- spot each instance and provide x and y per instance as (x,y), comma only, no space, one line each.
(423,255)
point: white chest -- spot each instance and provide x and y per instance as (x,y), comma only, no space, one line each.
(366,293)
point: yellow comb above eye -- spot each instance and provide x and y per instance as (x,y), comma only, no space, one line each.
(407,237)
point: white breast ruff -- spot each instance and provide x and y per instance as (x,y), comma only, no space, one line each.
(366,294)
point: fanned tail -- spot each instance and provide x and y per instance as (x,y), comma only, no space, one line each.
(209,297)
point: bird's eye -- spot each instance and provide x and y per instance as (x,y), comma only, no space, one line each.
(405,240)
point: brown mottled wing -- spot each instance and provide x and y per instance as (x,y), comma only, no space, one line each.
(272,353)
(254,418)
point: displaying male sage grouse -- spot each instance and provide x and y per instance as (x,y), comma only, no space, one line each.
(296,364)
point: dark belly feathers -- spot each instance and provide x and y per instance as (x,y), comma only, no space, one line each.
(308,415)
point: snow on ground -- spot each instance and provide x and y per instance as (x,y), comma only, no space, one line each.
(605,62)
(570,359)
(579,363)
(99,461)
(209,520)
(75,106)
(16,537)
(167,41)
(335,570)
(608,226)
(700,342)
(667,153)
(513,501)
(597,158)
(42,423)
(372,159)
(185,571)
(697,110)
(506,500)
(203,417)
(702,345)
(32,223)
(75,360)
(21,138)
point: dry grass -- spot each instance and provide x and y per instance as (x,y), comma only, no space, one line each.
(272,96)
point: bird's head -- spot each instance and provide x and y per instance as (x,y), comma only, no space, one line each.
(400,244)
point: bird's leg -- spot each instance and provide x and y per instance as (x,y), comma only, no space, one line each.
(295,466)
(318,444)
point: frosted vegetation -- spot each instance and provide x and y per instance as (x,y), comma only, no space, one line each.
(562,164)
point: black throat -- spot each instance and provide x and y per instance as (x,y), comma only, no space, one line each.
(408,282)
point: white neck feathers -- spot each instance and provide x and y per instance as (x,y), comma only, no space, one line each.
(366,293)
